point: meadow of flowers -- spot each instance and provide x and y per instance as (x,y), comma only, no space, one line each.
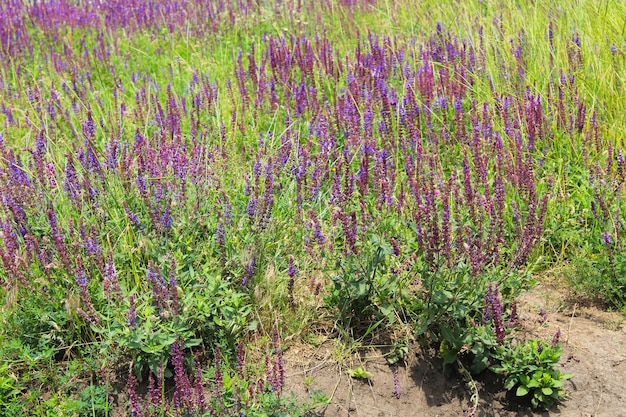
(188,185)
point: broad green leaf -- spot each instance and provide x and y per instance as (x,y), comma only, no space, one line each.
(510,382)
(521,391)
(442,296)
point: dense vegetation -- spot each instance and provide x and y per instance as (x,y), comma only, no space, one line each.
(187,184)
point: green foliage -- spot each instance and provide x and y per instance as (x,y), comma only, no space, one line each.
(9,386)
(450,311)
(598,269)
(359,373)
(365,290)
(529,369)
(211,311)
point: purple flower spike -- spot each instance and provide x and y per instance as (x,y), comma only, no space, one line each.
(291,271)
(134,399)
(132,314)
(493,311)
(556,339)
(396,383)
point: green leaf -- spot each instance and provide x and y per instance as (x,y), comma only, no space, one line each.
(524,379)
(547,390)
(480,365)
(521,391)
(557,383)
(533,383)
(510,382)
(192,342)
(442,296)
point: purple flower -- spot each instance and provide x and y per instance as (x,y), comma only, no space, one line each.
(166,219)
(142,184)
(396,383)
(160,292)
(154,389)
(131,313)
(556,338)
(134,399)
(81,280)
(220,234)
(173,290)
(197,384)
(276,374)
(493,311)
(252,203)
(291,271)
(132,216)
(241,357)
(250,268)
(397,250)
(513,316)
(71,184)
(110,279)
(183,392)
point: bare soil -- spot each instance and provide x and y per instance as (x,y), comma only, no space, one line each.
(594,343)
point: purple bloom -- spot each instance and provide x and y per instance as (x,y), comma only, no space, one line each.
(160,291)
(110,279)
(241,357)
(134,399)
(252,203)
(249,271)
(173,290)
(154,389)
(396,383)
(220,234)
(493,311)
(142,184)
(131,313)
(132,216)
(291,271)
(276,374)
(397,250)
(556,338)
(71,184)
(166,219)
(81,280)
(182,395)
(197,384)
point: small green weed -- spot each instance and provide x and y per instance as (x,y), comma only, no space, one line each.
(529,369)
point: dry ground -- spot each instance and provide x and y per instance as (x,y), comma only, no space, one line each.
(594,344)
